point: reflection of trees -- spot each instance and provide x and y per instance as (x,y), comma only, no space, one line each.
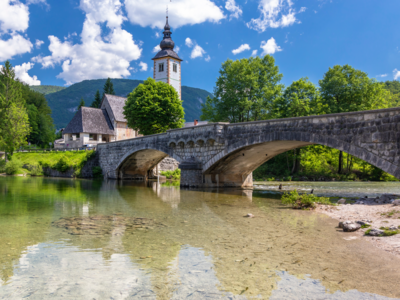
(27,208)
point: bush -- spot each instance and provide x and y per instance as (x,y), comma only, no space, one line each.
(174,175)
(97,172)
(36,170)
(12,167)
(304,201)
(62,165)
(2,165)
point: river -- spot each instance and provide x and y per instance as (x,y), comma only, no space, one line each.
(82,239)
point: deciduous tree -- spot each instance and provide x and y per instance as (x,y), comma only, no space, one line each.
(154,107)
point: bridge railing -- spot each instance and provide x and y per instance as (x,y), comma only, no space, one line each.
(55,150)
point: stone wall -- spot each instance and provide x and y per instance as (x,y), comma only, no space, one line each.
(168,164)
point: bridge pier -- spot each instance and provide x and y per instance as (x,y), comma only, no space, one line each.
(191,174)
(228,180)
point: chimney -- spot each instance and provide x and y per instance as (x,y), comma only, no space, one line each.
(196,122)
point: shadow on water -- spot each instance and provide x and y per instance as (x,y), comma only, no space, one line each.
(87,239)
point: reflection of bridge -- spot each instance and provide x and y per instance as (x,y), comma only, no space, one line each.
(222,154)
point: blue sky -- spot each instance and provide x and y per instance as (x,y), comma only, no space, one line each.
(53,42)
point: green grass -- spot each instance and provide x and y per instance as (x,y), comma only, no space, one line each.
(365,226)
(174,175)
(304,201)
(61,161)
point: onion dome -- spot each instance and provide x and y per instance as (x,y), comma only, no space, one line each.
(167,44)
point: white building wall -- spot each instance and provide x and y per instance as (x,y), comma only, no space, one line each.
(160,76)
(175,77)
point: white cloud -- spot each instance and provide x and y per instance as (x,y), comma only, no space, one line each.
(177,49)
(143,66)
(303,9)
(382,75)
(21,72)
(208,58)
(242,48)
(396,74)
(197,52)
(274,14)
(235,11)
(254,53)
(270,47)
(14,17)
(97,56)
(157,34)
(156,49)
(181,12)
(14,46)
(189,42)
(38,43)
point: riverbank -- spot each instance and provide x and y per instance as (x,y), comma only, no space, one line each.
(381,215)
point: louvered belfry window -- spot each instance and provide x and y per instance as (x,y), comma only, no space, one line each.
(175,67)
(161,67)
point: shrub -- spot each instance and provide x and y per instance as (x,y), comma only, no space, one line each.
(97,172)
(304,201)
(2,165)
(12,167)
(36,170)
(62,165)
(174,175)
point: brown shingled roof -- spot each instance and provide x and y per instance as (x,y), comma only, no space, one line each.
(90,120)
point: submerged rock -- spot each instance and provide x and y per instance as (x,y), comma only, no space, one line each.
(249,216)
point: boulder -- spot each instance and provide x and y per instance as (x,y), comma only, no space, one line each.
(349,227)
(344,222)
(364,222)
(341,201)
(375,232)
(396,202)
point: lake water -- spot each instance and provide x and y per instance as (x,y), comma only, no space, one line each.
(80,239)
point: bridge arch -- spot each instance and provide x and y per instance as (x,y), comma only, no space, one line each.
(140,160)
(235,164)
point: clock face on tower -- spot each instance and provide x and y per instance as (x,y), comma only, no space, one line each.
(167,63)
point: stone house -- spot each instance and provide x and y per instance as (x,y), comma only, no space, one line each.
(92,126)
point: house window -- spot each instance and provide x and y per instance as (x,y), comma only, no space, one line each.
(175,67)
(161,67)
(93,137)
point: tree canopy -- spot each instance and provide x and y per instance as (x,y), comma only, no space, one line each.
(108,87)
(97,100)
(245,91)
(154,107)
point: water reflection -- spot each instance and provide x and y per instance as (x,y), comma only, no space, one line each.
(204,249)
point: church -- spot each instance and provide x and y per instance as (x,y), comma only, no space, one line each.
(107,123)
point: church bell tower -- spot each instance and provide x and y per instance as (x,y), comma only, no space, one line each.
(167,63)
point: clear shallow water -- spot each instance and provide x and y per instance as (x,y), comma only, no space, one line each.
(191,244)
(333,189)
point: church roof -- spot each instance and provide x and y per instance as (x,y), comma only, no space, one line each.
(167,45)
(117,104)
(90,120)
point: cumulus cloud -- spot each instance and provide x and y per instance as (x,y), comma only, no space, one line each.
(98,55)
(14,18)
(177,49)
(396,74)
(143,66)
(382,75)
(254,53)
(181,12)
(38,43)
(189,42)
(235,11)
(21,72)
(274,14)
(197,52)
(156,49)
(15,45)
(208,58)
(270,47)
(242,48)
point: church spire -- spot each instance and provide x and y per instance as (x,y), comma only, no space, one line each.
(167,42)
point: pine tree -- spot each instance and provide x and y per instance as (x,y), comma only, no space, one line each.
(108,87)
(97,100)
(81,104)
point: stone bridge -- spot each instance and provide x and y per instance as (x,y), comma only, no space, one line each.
(221,154)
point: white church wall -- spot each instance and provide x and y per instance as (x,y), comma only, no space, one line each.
(161,76)
(175,77)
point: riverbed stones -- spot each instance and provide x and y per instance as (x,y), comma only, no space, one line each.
(396,202)
(115,224)
(375,232)
(349,227)
(341,201)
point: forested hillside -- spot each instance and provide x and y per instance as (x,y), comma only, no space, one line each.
(46,89)
(64,102)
